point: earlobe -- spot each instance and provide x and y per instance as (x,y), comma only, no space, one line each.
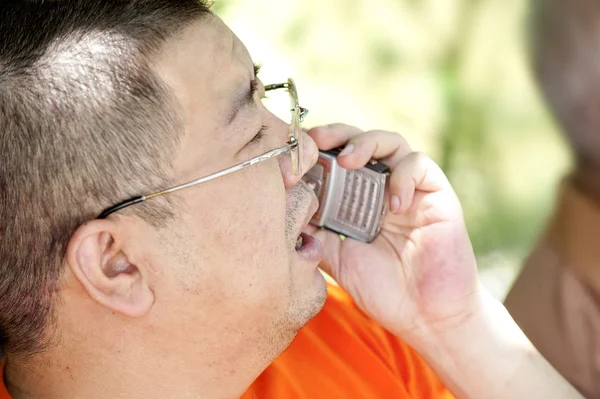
(97,257)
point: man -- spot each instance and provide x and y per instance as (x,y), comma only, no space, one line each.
(130,269)
(556,297)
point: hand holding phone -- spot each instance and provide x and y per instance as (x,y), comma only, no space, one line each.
(420,269)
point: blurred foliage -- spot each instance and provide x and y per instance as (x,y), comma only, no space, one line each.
(451,75)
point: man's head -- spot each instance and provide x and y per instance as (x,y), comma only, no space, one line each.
(102,101)
(566,39)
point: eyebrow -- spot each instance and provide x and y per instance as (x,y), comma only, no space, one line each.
(243,97)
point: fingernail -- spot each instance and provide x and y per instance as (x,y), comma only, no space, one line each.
(348,150)
(395,204)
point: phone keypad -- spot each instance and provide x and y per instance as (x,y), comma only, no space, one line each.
(359,201)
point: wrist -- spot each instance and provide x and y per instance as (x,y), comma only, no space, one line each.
(482,343)
(457,318)
(484,321)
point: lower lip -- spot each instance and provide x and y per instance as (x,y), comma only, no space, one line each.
(311,248)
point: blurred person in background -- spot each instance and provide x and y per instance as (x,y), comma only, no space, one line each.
(213,290)
(556,297)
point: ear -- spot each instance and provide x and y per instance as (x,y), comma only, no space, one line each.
(97,258)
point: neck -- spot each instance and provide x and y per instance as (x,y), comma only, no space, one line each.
(134,374)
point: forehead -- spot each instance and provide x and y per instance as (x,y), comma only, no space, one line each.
(205,58)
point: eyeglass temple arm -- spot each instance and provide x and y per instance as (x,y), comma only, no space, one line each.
(121,205)
(263,157)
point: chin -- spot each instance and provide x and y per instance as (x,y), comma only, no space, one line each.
(309,302)
(305,305)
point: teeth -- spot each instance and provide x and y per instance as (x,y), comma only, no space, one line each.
(299,242)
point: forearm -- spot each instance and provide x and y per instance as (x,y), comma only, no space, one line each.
(487,356)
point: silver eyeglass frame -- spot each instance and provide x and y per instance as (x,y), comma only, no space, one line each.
(293,146)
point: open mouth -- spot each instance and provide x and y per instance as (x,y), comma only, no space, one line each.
(309,248)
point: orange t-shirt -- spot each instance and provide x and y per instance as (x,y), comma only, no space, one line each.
(343,354)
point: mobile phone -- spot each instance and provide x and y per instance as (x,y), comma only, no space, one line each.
(351,202)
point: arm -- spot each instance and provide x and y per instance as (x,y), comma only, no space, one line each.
(488,356)
(418,278)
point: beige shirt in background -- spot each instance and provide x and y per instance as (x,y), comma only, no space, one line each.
(556,298)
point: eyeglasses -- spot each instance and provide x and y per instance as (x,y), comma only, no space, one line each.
(293,146)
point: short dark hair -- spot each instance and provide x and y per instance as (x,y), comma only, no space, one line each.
(84,123)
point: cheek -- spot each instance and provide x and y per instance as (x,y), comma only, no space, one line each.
(249,247)
(251,214)
(239,234)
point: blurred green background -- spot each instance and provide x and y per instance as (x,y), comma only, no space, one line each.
(453,76)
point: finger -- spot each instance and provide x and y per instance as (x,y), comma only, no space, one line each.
(310,154)
(375,144)
(415,172)
(334,135)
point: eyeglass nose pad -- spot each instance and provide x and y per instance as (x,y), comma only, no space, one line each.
(303,112)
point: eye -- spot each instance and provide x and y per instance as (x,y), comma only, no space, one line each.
(259,135)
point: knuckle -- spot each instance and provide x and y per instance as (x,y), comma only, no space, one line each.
(376,133)
(422,160)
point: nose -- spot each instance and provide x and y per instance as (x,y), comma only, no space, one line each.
(309,157)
